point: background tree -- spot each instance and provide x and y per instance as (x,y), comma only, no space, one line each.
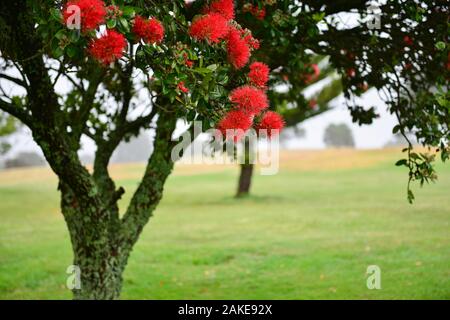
(7,126)
(189,71)
(182,70)
(338,135)
(294,67)
(405,57)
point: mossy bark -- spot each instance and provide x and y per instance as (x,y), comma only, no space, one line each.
(101,240)
(101,247)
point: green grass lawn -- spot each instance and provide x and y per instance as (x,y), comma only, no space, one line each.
(304,234)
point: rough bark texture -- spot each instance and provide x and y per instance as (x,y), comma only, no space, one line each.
(246,171)
(102,247)
(245,179)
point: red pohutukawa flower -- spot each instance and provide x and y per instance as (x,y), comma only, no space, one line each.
(237,49)
(255,11)
(249,99)
(237,121)
(108,48)
(259,74)
(314,75)
(212,27)
(272,122)
(181,87)
(187,62)
(150,30)
(223,7)
(92,13)
(251,42)
(258,13)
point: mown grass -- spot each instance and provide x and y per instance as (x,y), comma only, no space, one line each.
(307,233)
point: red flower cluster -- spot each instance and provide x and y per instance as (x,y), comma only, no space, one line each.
(212,27)
(150,30)
(311,77)
(272,122)
(235,120)
(351,72)
(223,7)
(108,48)
(408,41)
(181,87)
(259,74)
(249,99)
(92,12)
(237,49)
(189,63)
(113,12)
(258,13)
(251,42)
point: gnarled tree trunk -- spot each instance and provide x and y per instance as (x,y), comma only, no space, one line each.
(102,246)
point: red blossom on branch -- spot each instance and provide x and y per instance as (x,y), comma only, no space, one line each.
(212,27)
(237,49)
(223,7)
(351,72)
(272,122)
(311,77)
(259,74)
(108,48)
(181,87)
(92,13)
(258,13)
(249,99)
(235,120)
(150,30)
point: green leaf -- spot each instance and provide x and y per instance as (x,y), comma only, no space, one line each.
(396,129)
(402,162)
(57,52)
(60,34)
(128,11)
(440,45)
(55,14)
(410,196)
(72,51)
(111,24)
(212,67)
(124,24)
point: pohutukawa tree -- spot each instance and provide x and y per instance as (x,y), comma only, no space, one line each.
(140,64)
(190,63)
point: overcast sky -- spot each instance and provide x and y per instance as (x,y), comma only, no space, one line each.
(366,137)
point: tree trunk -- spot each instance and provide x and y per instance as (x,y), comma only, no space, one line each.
(245,180)
(100,278)
(102,246)
(246,171)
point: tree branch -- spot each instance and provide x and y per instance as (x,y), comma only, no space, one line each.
(15,80)
(149,192)
(20,114)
